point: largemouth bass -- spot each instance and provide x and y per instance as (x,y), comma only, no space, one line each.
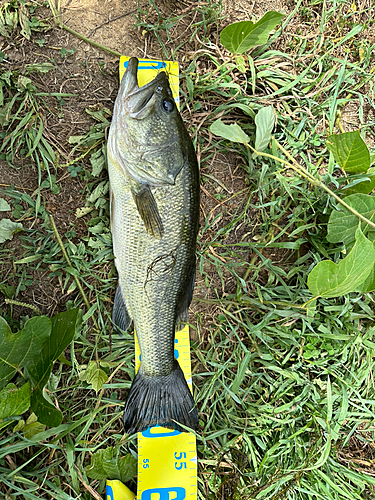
(154,196)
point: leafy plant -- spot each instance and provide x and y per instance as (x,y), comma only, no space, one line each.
(350,152)
(345,223)
(327,279)
(14,13)
(67,52)
(231,132)
(20,119)
(14,401)
(31,353)
(94,375)
(265,122)
(74,170)
(107,464)
(4,205)
(8,228)
(240,37)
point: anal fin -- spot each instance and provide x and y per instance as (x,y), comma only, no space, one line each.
(120,315)
(185,299)
(148,210)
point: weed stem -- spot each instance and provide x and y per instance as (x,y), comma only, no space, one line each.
(88,40)
(60,24)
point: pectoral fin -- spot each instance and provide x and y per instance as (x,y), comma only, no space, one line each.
(148,210)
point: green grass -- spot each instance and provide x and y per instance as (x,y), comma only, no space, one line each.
(285,392)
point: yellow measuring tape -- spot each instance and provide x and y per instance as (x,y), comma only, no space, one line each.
(167,459)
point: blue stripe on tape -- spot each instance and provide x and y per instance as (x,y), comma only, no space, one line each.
(148,64)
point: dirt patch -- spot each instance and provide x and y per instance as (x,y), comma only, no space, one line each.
(108,22)
(248,10)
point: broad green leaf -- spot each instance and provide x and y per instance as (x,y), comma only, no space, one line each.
(105,464)
(31,430)
(349,151)
(4,205)
(19,349)
(342,224)
(127,467)
(75,139)
(99,378)
(231,132)
(8,228)
(369,284)
(47,413)
(328,279)
(365,184)
(39,370)
(14,401)
(244,35)
(97,470)
(265,122)
(94,375)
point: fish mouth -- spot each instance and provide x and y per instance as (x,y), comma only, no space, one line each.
(139,101)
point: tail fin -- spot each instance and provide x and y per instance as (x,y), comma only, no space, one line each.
(164,400)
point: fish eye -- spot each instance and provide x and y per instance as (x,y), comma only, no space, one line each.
(168,105)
